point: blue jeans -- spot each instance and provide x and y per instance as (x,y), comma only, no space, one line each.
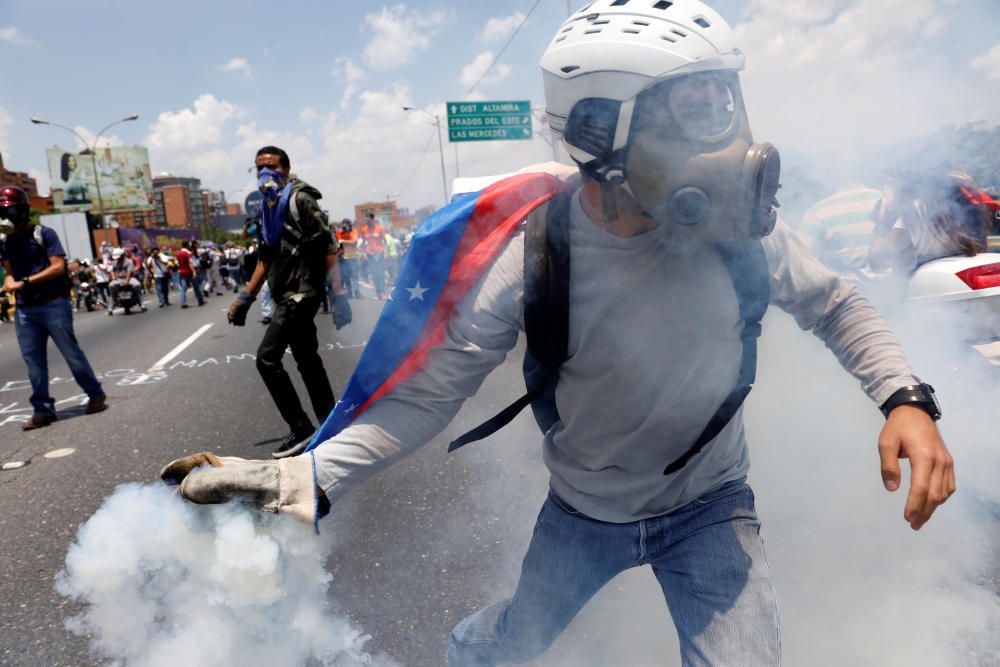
(349,275)
(163,289)
(266,302)
(195,283)
(708,557)
(35,325)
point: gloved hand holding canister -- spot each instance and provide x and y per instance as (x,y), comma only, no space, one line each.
(237,314)
(342,315)
(285,486)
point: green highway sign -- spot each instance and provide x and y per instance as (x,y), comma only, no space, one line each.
(489,121)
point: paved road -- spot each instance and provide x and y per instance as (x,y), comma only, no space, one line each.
(438,536)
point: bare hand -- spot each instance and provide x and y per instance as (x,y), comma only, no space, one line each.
(910,433)
(12,285)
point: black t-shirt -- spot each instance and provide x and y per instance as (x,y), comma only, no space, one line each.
(27,257)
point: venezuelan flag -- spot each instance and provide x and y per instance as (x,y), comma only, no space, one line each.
(448,255)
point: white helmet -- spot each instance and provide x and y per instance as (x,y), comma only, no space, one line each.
(615,49)
(116,253)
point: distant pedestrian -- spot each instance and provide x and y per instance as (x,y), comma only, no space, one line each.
(374,238)
(35,263)
(156,265)
(392,257)
(185,268)
(348,238)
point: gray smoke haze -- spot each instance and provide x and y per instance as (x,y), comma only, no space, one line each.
(165,582)
(855,585)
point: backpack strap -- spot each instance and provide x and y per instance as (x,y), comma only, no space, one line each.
(748,270)
(293,205)
(546,318)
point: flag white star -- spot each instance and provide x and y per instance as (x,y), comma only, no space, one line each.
(416,292)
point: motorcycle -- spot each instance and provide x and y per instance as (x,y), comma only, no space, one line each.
(88,297)
(126,295)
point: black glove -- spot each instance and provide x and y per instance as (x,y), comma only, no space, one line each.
(341,311)
(237,314)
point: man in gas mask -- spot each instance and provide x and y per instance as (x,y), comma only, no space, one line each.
(297,253)
(672,243)
(36,271)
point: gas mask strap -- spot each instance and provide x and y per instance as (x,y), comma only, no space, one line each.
(609,200)
(624,128)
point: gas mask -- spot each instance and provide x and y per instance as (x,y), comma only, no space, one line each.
(12,217)
(692,162)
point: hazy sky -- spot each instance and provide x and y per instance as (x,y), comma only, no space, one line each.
(827,80)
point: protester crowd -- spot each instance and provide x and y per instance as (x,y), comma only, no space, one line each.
(206,268)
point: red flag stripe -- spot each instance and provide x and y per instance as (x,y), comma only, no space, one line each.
(489,228)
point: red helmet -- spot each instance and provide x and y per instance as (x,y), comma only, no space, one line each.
(14,204)
(13,196)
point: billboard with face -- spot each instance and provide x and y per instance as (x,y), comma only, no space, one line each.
(125,181)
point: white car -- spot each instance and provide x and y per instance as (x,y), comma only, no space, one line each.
(964,292)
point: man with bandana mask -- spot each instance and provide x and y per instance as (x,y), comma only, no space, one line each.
(36,272)
(671,243)
(297,253)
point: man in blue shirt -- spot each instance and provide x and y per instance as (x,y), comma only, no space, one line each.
(36,271)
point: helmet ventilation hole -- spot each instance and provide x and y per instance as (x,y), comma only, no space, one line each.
(668,38)
(703,22)
(663,4)
(569,68)
(631,31)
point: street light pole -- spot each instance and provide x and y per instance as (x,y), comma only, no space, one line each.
(93,157)
(437,123)
(444,178)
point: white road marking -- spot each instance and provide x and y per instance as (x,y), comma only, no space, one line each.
(162,363)
(12,465)
(59,453)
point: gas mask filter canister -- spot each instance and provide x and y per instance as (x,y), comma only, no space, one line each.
(8,219)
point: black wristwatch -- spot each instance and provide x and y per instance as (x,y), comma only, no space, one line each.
(919,396)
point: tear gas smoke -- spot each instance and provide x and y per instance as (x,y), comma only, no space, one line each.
(164,582)
(855,585)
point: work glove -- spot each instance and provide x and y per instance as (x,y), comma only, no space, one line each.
(341,311)
(285,486)
(237,314)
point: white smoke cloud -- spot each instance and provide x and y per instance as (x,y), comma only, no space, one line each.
(499,28)
(201,141)
(191,129)
(379,148)
(238,65)
(6,120)
(41,180)
(351,75)
(105,141)
(471,72)
(840,78)
(989,63)
(164,582)
(399,33)
(11,35)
